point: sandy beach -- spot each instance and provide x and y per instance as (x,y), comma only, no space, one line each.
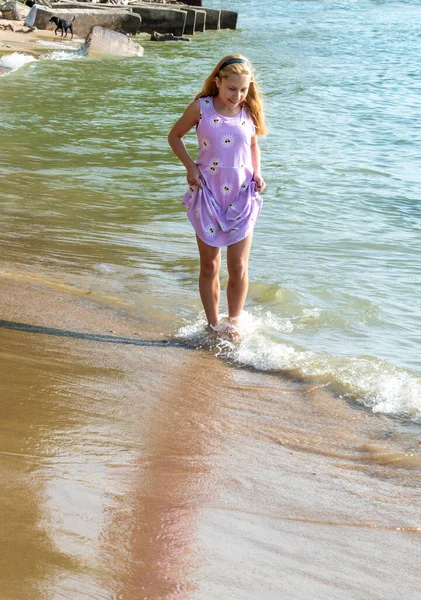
(34,43)
(18,41)
(162,472)
(141,460)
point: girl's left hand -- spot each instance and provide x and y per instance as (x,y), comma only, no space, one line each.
(260,183)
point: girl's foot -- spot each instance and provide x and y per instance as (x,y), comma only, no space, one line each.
(230,327)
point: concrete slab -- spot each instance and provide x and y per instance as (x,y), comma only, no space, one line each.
(160,19)
(86,19)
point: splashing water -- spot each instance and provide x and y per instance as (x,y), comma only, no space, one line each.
(16,60)
(373,383)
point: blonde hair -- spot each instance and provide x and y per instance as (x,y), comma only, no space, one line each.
(253,101)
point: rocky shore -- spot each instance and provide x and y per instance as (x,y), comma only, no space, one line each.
(23,26)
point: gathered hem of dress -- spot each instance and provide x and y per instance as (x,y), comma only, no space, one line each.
(206,241)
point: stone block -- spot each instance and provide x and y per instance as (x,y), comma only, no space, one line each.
(102,42)
(213,17)
(160,19)
(228,19)
(86,19)
(190,24)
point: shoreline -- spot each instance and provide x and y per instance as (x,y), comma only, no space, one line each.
(18,41)
(176,458)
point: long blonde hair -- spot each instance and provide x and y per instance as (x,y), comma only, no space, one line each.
(253,101)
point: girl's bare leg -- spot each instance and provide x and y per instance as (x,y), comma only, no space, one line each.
(238,282)
(210,263)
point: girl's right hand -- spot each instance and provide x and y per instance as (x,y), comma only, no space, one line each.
(193,175)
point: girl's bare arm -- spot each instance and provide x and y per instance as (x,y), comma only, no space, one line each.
(189,119)
(255,157)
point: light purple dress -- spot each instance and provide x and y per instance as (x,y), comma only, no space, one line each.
(225,208)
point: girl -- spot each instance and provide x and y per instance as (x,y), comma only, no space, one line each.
(223,201)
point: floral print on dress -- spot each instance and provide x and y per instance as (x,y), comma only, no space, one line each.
(227,141)
(205,144)
(214,165)
(224,209)
(226,188)
(215,121)
(210,230)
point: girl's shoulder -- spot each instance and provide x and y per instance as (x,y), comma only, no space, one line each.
(205,102)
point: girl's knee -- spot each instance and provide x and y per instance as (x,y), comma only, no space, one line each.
(237,270)
(209,268)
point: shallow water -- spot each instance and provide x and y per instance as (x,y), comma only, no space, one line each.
(286,465)
(91,192)
(141,472)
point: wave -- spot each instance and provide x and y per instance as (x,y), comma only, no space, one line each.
(370,382)
(16,60)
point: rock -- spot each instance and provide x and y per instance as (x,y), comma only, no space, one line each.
(190,24)
(11,11)
(167,37)
(86,19)
(102,42)
(31,3)
(213,17)
(4,71)
(10,27)
(160,19)
(24,11)
(228,19)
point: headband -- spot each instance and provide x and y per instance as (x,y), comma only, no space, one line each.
(232,61)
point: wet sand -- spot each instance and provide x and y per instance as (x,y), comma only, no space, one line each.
(137,472)
(17,41)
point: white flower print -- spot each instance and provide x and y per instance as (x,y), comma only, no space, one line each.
(234,230)
(233,206)
(205,144)
(216,162)
(243,122)
(207,101)
(197,211)
(243,186)
(227,141)
(226,189)
(213,165)
(215,121)
(210,230)
(239,168)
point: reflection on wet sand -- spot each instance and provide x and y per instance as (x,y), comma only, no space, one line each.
(135,472)
(151,542)
(28,555)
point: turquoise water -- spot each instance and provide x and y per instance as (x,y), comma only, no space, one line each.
(91,194)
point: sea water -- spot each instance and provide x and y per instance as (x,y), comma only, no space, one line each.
(91,193)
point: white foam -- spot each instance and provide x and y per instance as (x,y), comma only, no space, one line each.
(52,44)
(377,385)
(63,55)
(16,60)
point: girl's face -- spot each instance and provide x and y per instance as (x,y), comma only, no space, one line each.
(233,90)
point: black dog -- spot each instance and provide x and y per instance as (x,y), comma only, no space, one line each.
(63,25)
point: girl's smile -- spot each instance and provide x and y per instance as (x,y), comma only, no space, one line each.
(232,91)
